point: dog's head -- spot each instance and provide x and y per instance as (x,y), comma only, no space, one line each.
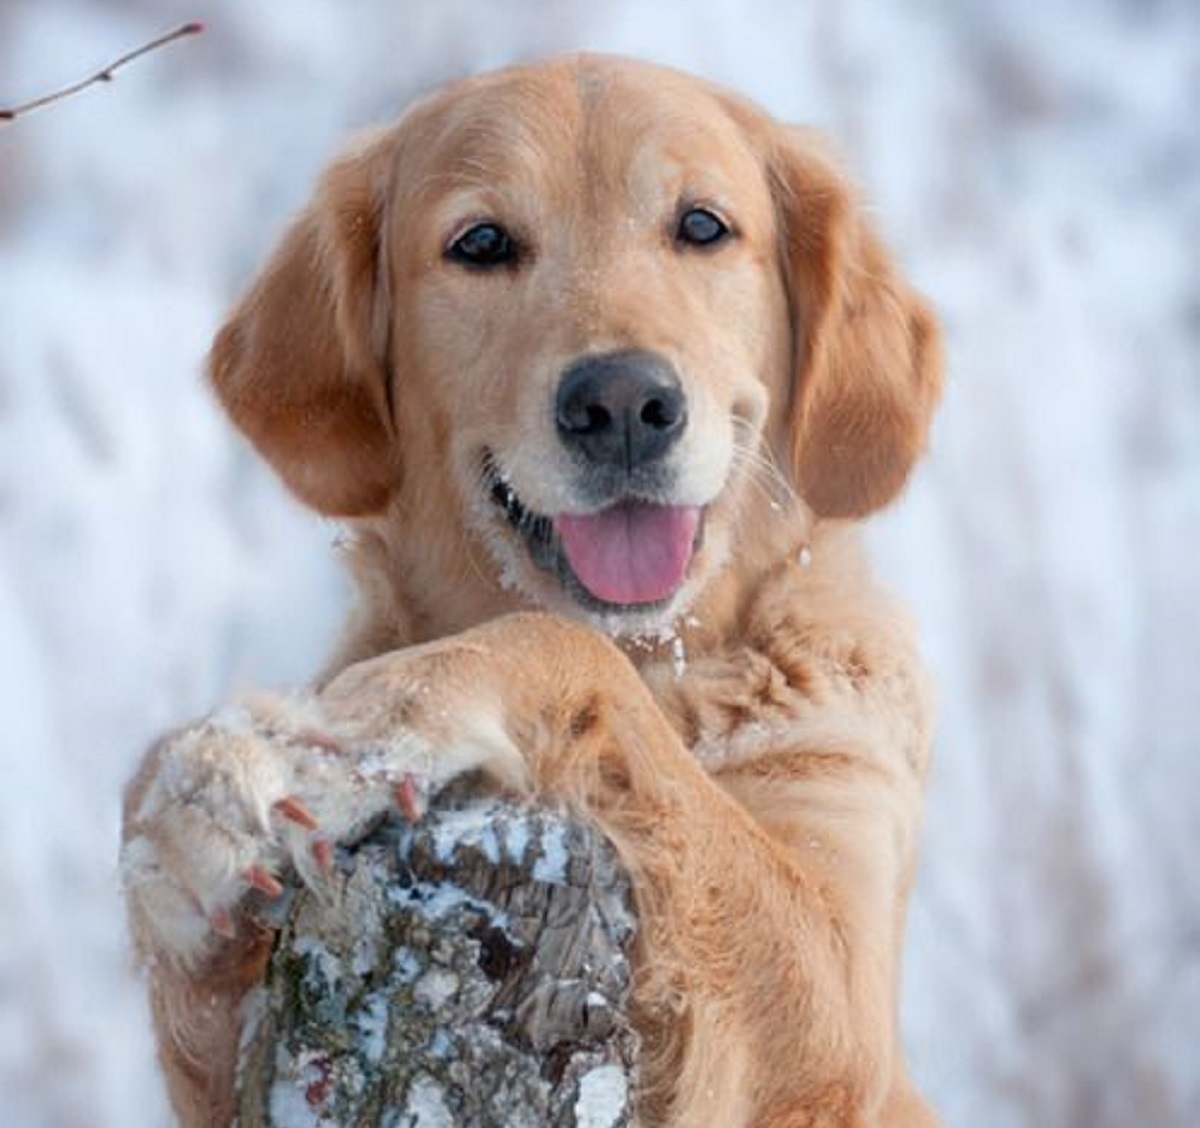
(570,311)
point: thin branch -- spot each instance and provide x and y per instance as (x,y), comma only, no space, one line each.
(104,75)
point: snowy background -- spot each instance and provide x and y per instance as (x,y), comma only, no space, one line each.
(1037,165)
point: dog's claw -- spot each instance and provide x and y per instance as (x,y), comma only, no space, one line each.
(407,799)
(295,811)
(264,881)
(322,852)
(222,923)
(322,740)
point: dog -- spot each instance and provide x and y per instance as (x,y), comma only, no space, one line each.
(600,367)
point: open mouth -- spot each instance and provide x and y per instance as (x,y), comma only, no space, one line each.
(631,554)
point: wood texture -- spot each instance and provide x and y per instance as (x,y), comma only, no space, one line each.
(471,970)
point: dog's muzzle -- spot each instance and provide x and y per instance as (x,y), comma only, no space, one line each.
(628,544)
(620,414)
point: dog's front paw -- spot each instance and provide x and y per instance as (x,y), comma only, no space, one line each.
(266,788)
(434,711)
(233,804)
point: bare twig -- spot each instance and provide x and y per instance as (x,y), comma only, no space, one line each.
(103,75)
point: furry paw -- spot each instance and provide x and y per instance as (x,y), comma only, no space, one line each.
(267,788)
(250,795)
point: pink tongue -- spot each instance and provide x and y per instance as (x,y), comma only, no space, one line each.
(634,552)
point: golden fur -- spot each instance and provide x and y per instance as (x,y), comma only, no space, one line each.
(756,745)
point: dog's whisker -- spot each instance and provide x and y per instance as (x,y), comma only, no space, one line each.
(483,476)
(764,474)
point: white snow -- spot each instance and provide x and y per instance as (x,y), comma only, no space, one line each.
(372,1024)
(438,899)
(290,1107)
(551,864)
(469,826)
(1036,165)
(322,964)
(436,987)
(290,1103)
(678,657)
(426,1106)
(603,1093)
(516,838)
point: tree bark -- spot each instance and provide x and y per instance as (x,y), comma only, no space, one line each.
(471,970)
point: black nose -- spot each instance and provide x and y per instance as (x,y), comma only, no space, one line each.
(621,409)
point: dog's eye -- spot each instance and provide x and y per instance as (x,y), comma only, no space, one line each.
(700,227)
(483,246)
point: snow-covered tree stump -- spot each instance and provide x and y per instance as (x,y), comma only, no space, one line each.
(471,971)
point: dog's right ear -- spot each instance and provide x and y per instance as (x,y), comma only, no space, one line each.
(868,368)
(302,363)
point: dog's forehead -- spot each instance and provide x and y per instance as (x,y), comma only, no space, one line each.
(609,126)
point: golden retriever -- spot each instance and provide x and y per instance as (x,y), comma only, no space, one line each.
(600,366)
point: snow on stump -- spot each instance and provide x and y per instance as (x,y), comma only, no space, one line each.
(471,971)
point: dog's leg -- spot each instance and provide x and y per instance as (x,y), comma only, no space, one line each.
(765,986)
(216,814)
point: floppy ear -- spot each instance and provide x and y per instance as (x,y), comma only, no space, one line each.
(868,367)
(301,365)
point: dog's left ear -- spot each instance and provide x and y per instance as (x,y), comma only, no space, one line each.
(868,364)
